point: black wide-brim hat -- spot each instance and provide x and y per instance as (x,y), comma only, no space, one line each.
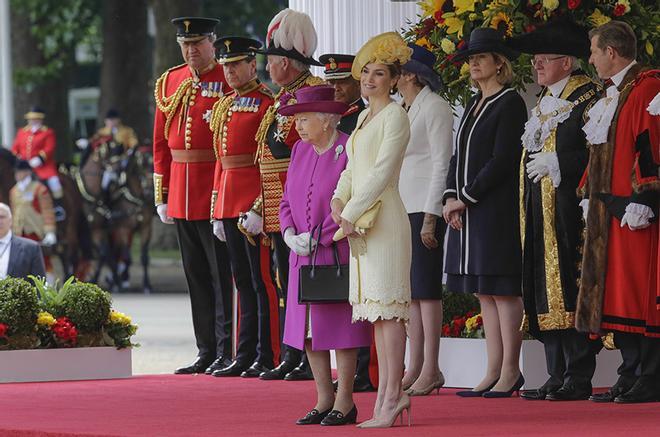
(560,37)
(236,48)
(486,40)
(421,63)
(194,28)
(291,53)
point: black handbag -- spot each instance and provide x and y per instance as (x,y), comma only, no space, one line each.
(323,284)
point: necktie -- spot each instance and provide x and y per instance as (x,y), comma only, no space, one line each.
(608,83)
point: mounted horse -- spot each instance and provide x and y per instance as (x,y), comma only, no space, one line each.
(117,192)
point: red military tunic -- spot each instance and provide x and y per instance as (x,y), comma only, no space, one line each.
(276,137)
(627,259)
(41,144)
(184,161)
(235,121)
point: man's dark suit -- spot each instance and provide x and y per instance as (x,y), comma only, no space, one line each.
(25,258)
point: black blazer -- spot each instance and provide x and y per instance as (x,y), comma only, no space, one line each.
(25,258)
(484,174)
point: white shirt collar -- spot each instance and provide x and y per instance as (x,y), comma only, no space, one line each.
(618,78)
(24,183)
(557,87)
(6,239)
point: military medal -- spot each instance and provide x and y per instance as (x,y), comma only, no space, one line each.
(204,86)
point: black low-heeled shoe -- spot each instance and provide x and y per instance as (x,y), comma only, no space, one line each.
(314,417)
(475,394)
(506,394)
(336,417)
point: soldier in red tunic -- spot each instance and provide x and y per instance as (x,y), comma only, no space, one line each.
(619,288)
(35,143)
(234,122)
(184,162)
(290,43)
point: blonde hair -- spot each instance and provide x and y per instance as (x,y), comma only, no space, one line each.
(504,71)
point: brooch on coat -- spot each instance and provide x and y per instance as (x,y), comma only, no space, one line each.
(338,151)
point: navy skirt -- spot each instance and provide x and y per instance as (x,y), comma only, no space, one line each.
(493,285)
(426,265)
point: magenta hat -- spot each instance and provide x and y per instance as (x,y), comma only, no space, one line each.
(319,98)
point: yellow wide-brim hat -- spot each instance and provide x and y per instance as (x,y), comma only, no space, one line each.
(386,48)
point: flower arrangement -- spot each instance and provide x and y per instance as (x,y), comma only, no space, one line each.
(469,325)
(75,315)
(444,24)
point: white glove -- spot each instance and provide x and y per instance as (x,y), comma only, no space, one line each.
(300,244)
(108,177)
(584,204)
(49,239)
(219,230)
(35,162)
(162,213)
(82,143)
(253,223)
(637,216)
(544,164)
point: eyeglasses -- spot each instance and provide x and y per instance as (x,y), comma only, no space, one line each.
(543,60)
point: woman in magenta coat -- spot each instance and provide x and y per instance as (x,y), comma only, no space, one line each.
(317,161)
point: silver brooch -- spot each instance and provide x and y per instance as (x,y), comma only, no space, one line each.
(338,151)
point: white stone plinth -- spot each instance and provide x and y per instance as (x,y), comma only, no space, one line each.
(65,364)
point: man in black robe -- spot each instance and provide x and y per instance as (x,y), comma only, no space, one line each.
(554,160)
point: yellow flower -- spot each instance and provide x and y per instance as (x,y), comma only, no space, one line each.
(551,5)
(424,42)
(388,52)
(121,318)
(502,19)
(45,319)
(447,46)
(473,17)
(598,19)
(649,48)
(454,25)
(429,7)
(462,6)
(465,70)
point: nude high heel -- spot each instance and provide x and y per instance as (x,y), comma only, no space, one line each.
(403,404)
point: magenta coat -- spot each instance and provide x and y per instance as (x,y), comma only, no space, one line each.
(310,184)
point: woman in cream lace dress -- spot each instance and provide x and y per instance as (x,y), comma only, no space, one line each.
(380,259)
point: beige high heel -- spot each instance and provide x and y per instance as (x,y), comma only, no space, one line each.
(403,404)
(435,385)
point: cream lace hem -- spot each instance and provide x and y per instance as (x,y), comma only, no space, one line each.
(373,311)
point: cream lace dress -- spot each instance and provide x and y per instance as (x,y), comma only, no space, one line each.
(380,261)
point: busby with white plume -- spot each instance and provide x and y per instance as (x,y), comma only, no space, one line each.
(292,34)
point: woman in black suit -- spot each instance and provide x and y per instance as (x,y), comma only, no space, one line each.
(481,208)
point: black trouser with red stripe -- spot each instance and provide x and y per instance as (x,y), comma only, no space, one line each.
(254,330)
(206,265)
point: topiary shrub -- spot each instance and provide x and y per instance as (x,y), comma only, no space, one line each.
(86,305)
(18,306)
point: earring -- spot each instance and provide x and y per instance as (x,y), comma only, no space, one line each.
(325,129)
(498,71)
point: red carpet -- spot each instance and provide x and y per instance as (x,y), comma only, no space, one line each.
(167,405)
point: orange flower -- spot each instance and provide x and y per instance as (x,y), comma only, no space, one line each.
(501,21)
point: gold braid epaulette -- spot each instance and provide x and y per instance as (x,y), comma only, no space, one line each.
(218,118)
(169,104)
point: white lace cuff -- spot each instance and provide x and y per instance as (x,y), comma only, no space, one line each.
(553,169)
(642,211)
(654,106)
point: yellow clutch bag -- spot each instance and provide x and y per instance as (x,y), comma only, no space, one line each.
(363,223)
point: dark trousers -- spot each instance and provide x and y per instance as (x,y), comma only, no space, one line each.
(570,357)
(280,270)
(254,330)
(641,358)
(206,265)
(363,358)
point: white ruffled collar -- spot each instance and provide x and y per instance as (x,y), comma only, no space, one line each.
(600,117)
(546,116)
